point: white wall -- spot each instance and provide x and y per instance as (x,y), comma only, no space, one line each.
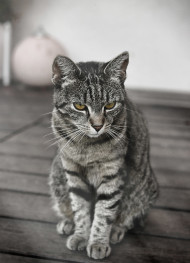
(155,32)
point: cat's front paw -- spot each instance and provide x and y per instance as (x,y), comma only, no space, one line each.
(76,242)
(65,227)
(98,250)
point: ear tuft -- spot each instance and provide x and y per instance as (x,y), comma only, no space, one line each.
(64,68)
(116,68)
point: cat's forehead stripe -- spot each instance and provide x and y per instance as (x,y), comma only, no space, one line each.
(95,94)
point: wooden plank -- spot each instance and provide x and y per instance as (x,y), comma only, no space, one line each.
(158,94)
(147,97)
(3,133)
(35,136)
(170,153)
(167,223)
(28,149)
(41,151)
(38,184)
(165,131)
(38,239)
(27,206)
(158,113)
(12,258)
(172,178)
(12,125)
(174,199)
(31,147)
(38,207)
(23,103)
(170,143)
(170,148)
(24,164)
(22,144)
(24,182)
(25,96)
(174,163)
(21,236)
(23,111)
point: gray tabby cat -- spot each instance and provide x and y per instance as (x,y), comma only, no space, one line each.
(101,179)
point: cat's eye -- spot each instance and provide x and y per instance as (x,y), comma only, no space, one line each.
(79,106)
(110,105)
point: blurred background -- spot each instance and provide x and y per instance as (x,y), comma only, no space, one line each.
(32,32)
(156,34)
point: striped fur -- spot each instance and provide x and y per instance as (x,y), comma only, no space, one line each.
(101,181)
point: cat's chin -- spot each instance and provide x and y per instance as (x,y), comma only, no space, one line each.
(94,135)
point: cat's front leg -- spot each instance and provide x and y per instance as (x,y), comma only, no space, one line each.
(80,203)
(106,209)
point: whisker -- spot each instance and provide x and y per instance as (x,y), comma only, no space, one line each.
(47,113)
(67,144)
(63,130)
(53,139)
(56,142)
(116,137)
(131,110)
(48,134)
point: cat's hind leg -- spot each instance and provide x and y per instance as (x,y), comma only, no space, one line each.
(117,233)
(66,225)
(60,198)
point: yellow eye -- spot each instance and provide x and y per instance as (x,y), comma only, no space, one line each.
(79,106)
(110,105)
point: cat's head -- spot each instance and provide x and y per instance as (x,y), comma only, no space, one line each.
(89,96)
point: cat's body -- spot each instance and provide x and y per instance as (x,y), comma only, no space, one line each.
(101,180)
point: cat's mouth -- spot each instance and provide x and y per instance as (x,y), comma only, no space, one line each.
(94,135)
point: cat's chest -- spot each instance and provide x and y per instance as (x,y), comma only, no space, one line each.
(93,162)
(87,155)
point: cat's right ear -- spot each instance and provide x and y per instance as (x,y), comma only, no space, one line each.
(63,70)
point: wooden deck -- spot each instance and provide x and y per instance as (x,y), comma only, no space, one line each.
(27,222)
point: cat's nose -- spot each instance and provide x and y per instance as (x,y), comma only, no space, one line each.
(97,127)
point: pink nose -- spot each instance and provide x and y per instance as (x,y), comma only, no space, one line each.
(97,127)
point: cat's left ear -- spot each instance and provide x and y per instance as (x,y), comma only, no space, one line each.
(116,68)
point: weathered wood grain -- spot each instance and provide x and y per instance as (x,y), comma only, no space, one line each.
(27,206)
(42,240)
(163,131)
(158,94)
(160,98)
(171,178)
(174,198)
(174,163)
(34,238)
(27,149)
(40,149)
(41,163)
(38,207)
(38,184)
(22,258)
(25,164)
(24,182)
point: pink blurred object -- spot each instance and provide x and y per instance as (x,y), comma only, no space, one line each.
(33,58)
